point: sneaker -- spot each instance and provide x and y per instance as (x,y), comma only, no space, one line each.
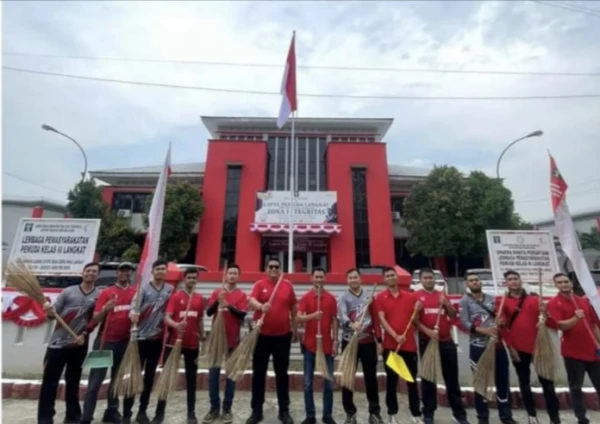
(112,416)
(285,418)
(460,420)
(419,420)
(533,420)
(255,418)
(142,418)
(211,416)
(159,418)
(191,419)
(393,419)
(328,420)
(309,421)
(227,417)
(350,419)
(375,419)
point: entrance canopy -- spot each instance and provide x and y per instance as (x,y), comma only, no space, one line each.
(298,228)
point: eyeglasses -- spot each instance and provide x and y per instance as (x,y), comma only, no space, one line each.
(273,266)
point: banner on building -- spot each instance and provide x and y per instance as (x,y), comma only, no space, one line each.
(310,207)
(523,251)
(55,245)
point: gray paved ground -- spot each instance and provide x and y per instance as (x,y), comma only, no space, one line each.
(24,411)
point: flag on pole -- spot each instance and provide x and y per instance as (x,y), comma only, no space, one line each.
(155,218)
(289,102)
(567,234)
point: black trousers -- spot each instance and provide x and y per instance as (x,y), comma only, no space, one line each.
(191,372)
(97,376)
(279,347)
(56,361)
(367,355)
(524,375)
(449,360)
(150,351)
(576,370)
(391,396)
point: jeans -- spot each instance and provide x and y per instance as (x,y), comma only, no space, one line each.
(449,360)
(214,376)
(96,379)
(150,351)
(279,347)
(191,373)
(576,370)
(56,361)
(391,390)
(309,374)
(503,399)
(367,355)
(523,373)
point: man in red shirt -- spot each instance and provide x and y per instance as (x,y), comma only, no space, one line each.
(234,304)
(395,309)
(521,315)
(432,303)
(318,310)
(112,312)
(190,328)
(577,346)
(275,338)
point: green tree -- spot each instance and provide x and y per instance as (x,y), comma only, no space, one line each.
(132,254)
(183,209)
(116,236)
(436,213)
(85,201)
(590,240)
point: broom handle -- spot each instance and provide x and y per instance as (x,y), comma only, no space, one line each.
(408,326)
(223,279)
(318,310)
(187,309)
(363,313)
(262,318)
(587,324)
(65,326)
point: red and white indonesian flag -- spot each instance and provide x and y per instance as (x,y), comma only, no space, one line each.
(155,218)
(566,233)
(289,102)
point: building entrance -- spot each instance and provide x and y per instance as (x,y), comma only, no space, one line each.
(309,252)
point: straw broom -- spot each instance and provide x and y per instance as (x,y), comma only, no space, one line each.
(19,276)
(348,362)
(217,339)
(239,360)
(544,353)
(321,363)
(484,378)
(431,362)
(167,381)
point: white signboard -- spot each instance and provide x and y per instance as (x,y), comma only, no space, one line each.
(55,246)
(310,207)
(525,252)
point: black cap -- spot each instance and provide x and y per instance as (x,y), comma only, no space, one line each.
(125,265)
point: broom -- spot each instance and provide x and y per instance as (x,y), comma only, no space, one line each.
(167,381)
(543,353)
(239,360)
(321,363)
(431,362)
(217,339)
(348,362)
(19,276)
(395,362)
(484,378)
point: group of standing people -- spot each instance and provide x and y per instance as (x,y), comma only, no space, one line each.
(393,321)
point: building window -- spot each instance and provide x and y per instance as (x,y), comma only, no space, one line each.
(301,161)
(134,202)
(322,176)
(398,204)
(272,172)
(361,218)
(230,219)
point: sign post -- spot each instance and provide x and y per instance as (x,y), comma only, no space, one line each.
(526,252)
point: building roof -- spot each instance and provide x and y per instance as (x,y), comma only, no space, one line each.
(592,213)
(176,168)
(377,127)
(24,201)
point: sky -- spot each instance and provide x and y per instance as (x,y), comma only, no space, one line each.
(126,126)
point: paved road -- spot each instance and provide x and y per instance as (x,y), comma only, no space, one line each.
(24,411)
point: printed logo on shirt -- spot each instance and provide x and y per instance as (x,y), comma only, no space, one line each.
(122,308)
(192,314)
(433,311)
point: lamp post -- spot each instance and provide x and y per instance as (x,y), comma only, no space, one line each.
(537,133)
(85,161)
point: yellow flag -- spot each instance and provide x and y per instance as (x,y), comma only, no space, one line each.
(397,364)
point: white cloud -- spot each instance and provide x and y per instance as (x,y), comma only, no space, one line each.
(121,125)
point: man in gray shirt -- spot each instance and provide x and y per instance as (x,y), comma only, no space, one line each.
(478,316)
(75,305)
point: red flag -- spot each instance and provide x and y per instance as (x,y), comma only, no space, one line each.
(289,102)
(558,186)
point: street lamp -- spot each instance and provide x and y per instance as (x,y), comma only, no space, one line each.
(533,134)
(85,166)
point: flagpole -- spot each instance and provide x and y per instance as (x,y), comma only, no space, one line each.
(292,196)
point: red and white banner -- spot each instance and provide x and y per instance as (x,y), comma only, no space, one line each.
(155,218)
(289,102)
(567,234)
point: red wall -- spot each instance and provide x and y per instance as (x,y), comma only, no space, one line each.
(341,158)
(252,156)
